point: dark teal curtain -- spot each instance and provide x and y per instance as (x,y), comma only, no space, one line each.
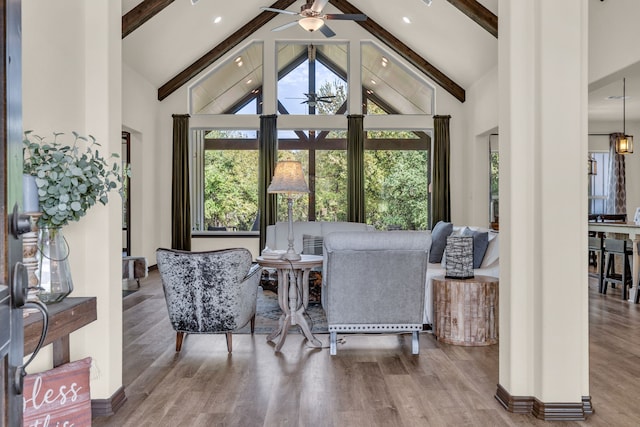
(267,165)
(355,169)
(441,197)
(180,202)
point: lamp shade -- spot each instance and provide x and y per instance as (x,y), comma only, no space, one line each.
(624,144)
(311,23)
(288,178)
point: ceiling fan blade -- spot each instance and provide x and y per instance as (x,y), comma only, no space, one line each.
(270,9)
(328,32)
(346,16)
(318,5)
(325,100)
(285,26)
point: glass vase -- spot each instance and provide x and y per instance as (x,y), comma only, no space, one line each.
(54,272)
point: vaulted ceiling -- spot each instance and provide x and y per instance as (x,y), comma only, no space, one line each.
(453,41)
(168,41)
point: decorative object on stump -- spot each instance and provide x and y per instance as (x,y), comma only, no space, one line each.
(459,257)
(466,311)
(69,180)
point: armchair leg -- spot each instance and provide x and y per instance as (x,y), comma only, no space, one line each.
(333,343)
(253,323)
(415,343)
(179,338)
(229,342)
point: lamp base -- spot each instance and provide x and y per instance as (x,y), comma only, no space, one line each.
(291,256)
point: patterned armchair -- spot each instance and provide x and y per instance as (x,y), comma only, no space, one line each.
(374,282)
(209,292)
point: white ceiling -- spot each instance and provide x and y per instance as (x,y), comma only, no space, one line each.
(440,33)
(181,33)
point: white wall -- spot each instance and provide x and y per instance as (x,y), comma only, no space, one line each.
(71,81)
(140,118)
(482,114)
(613,36)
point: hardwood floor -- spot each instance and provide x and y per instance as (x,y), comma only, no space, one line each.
(373,381)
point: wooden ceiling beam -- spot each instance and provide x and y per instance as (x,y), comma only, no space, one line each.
(141,14)
(479,14)
(217,52)
(405,51)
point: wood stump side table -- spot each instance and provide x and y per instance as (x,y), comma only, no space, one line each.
(466,310)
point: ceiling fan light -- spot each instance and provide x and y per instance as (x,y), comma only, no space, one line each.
(311,23)
(624,144)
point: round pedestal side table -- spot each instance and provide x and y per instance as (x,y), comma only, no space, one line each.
(293,296)
(466,310)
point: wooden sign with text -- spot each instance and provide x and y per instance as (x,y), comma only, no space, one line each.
(59,397)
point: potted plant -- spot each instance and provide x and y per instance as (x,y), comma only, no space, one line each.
(69,180)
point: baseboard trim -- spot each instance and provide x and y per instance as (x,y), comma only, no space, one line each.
(544,410)
(108,407)
(515,404)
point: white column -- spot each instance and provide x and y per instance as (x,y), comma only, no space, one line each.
(543,200)
(101,227)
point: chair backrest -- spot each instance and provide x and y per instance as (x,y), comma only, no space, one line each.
(594,243)
(375,277)
(617,246)
(203,289)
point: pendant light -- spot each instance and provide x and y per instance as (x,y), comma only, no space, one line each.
(624,142)
(592,165)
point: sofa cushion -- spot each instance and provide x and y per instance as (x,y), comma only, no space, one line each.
(492,254)
(311,245)
(439,235)
(480,243)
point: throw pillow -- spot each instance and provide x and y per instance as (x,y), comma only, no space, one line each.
(311,245)
(480,243)
(439,235)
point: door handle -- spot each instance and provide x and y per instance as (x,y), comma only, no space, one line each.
(19,223)
(20,286)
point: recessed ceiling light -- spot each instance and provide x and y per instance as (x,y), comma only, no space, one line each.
(249,81)
(373,82)
(217,19)
(384,61)
(406,20)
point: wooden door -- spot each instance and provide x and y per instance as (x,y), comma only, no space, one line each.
(11,332)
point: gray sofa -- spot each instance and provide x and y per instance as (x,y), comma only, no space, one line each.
(374,282)
(278,234)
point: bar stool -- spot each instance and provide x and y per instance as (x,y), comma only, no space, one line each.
(613,247)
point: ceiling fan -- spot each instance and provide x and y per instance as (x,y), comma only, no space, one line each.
(312,18)
(312,99)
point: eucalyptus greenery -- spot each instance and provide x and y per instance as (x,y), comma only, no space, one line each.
(70,178)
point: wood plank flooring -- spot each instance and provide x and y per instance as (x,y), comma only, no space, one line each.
(373,381)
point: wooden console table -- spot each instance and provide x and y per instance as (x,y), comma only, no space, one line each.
(66,316)
(466,310)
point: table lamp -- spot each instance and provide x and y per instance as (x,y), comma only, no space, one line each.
(288,179)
